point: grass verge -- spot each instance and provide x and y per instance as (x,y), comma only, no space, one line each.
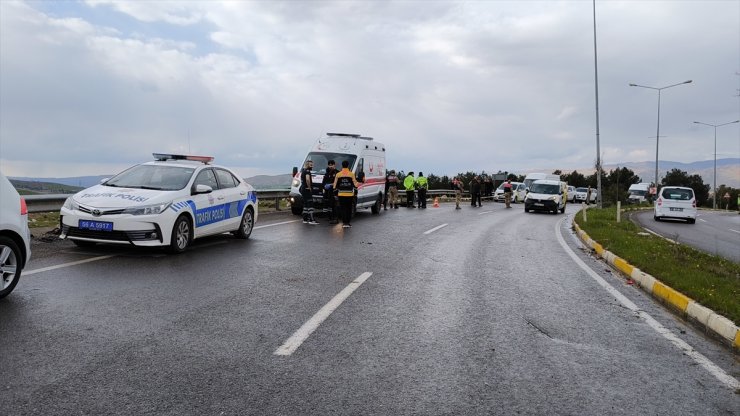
(710,280)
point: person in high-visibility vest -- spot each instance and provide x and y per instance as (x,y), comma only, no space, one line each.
(345,184)
(507,193)
(421,186)
(409,183)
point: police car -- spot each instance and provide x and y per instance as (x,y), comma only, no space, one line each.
(167,202)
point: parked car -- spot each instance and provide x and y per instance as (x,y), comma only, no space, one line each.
(166,202)
(582,193)
(571,193)
(675,202)
(518,192)
(546,195)
(15,237)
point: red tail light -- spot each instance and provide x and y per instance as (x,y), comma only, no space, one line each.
(24,207)
(693,203)
(660,202)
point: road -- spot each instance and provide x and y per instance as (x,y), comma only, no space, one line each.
(715,232)
(436,311)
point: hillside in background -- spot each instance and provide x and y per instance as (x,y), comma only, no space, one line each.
(728,170)
(270,182)
(32,187)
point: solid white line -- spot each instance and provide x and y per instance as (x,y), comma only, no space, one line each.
(702,220)
(435,229)
(485,212)
(687,349)
(277,223)
(734,231)
(59,266)
(307,329)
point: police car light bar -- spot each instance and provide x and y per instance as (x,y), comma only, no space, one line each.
(166,156)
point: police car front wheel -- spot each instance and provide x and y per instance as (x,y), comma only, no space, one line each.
(181,235)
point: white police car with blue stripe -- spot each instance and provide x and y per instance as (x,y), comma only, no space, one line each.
(167,202)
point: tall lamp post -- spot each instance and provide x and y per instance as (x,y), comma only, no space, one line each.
(714,196)
(657,135)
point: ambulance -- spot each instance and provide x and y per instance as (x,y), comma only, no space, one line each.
(366,159)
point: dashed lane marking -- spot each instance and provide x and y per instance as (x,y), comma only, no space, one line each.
(435,229)
(277,223)
(59,266)
(312,324)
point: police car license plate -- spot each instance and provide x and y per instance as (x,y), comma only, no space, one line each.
(677,209)
(95,225)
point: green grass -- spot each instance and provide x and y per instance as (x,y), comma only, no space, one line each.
(43,219)
(710,280)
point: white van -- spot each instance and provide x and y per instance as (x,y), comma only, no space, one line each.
(366,159)
(530,178)
(675,202)
(547,195)
(638,192)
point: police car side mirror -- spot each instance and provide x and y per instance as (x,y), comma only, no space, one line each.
(202,189)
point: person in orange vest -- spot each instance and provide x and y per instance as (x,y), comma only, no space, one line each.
(345,185)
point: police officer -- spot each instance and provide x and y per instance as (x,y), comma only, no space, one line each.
(391,184)
(409,183)
(457,185)
(345,185)
(422,185)
(328,186)
(307,193)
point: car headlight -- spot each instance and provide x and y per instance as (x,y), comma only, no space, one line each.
(295,183)
(70,204)
(148,209)
(553,198)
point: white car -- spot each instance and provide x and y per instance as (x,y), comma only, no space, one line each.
(675,202)
(571,193)
(582,194)
(167,202)
(15,237)
(518,192)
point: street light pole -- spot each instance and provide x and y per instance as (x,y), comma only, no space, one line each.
(657,135)
(714,196)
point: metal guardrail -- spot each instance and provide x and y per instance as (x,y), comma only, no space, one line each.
(54,202)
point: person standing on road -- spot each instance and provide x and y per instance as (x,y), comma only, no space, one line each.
(409,182)
(475,186)
(507,193)
(422,185)
(345,185)
(307,193)
(391,183)
(458,187)
(330,201)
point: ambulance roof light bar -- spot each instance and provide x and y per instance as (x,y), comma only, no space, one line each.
(343,135)
(166,156)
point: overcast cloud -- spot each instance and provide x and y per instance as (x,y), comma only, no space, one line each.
(92,87)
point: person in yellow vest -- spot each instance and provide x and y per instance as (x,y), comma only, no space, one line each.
(409,183)
(421,187)
(345,185)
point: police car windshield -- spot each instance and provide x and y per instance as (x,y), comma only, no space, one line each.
(321,159)
(544,188)
(157,177)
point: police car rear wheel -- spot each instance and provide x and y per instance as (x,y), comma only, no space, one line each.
(246,225)
(180,239)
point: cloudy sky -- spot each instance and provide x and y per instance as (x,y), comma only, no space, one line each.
(92,87)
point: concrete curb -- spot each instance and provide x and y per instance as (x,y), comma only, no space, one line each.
(707,318)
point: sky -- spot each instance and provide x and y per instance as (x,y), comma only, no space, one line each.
(93,87)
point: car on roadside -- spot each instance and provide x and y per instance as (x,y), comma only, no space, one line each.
(571,194)
(167,202)
(675,202)
(15,237)
(582,193)
(518,192)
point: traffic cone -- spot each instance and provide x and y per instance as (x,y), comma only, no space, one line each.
(436,202)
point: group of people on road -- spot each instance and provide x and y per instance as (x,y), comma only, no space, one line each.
(411,185)
(338,189)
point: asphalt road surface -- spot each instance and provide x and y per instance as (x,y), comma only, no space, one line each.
(412,312)
(715,232)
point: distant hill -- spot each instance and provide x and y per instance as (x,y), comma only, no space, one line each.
(78,181)
(728,170)
(31,187)
(270,181)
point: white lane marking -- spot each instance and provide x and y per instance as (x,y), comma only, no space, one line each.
(435,229)
(734,231)
(272,225)
(687,349)
(702,220)
(485,212)
(307,329)
(59,266)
